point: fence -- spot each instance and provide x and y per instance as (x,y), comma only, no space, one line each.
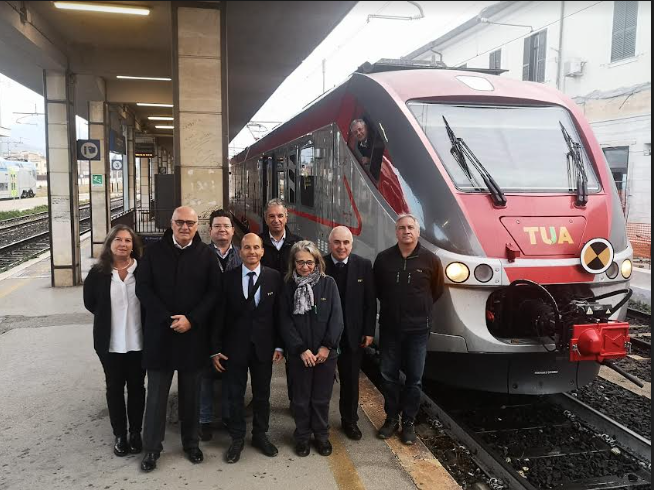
(640,236)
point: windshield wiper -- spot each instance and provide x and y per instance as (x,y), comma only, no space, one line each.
(576,168)
(462,154)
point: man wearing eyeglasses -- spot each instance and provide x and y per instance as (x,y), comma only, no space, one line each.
(178,283)
(221,231)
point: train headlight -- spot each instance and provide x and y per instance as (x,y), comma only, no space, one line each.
(626,269)
(457,272)
(483,273)
(612,271)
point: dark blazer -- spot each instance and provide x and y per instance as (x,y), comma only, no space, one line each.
(169,282)
(278,259)
(360,313)
(239,321)
(320,327)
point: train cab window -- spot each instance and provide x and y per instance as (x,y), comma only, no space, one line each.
(367,146)
(307,176)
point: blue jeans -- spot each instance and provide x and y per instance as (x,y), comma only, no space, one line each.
(206,397)
(406,352)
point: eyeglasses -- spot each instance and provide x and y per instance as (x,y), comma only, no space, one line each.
(302,263)
(180,223)
(221,227)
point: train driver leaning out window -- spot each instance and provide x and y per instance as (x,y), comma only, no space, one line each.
(367,147)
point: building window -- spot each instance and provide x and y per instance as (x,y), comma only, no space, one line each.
(618,159)
(625,19)
(495,60)
(534,57)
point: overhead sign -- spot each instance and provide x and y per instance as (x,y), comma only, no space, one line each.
(143,150)
(88,149)
(97,180)
(597,256)
(116,164)
(116,142)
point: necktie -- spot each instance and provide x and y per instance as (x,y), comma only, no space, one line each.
(340,265)
(251,284)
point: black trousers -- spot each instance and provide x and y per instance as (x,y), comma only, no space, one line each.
(237,380)
(312,392)
(121,370)
(188,385)
(349,365)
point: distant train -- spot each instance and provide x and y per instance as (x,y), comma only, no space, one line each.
(512,192)
(17,179)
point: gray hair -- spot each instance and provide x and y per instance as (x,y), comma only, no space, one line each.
(357,121)
(304,246)
(407,215)
(275,202)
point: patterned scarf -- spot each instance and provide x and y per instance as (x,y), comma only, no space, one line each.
(303,299)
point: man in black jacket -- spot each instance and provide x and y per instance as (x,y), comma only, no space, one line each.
(408,280)
(355,281)
(246,337)
(278,240)
(178,282)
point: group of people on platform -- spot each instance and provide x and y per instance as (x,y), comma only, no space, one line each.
(204,309)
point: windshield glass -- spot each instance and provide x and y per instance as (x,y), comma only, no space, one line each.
(521,147)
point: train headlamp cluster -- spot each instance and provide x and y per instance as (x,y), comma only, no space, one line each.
(613,271)
(457,272)
(483,273)
(626,269)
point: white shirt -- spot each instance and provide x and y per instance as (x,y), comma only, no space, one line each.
(126,329)
(336,261)
(246,279)
(220,254)
(177,245)
(278,244)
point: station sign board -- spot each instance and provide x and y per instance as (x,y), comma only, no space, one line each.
(88,149)
(117,142)
(143,149)
(97,180)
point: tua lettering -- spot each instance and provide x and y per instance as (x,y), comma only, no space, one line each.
(551,238)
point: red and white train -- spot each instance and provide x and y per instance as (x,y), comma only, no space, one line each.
(512,192)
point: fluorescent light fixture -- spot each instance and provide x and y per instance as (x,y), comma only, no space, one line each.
(156,79)
(165,127)
(149,104)
(161,118)
(100,7)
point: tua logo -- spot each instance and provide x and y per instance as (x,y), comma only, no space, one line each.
(563,235)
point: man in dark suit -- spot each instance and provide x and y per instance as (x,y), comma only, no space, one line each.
(246,337)
(278,240)
(356,287)
(178,283)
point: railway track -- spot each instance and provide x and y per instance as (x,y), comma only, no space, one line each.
(35,241)
(640,329)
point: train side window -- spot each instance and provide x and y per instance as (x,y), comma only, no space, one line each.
(281,184)
(307,176)
(367,145)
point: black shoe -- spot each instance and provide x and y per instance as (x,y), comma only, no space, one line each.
(263,443)
(388,429)
(121,447)
(352,431)
(234,451)
(408,432)
(149,461)
(206,433)
(302,448)
(324,447)
(135,443)
(194,455)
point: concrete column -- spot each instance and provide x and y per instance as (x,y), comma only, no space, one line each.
(100,176)
(131,169)
(145,183)
(199,91)
(63,186)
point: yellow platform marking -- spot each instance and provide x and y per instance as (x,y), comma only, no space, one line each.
(10,289)
(343,469)
(418,461)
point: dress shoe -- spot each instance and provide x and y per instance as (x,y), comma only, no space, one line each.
(324,447)
(194,455)
(135,443)
(234,451)
(302,448)
(121,447)
(408,435)
(352,431)
(149,461)
(388,429)
(263,443)
(206,433)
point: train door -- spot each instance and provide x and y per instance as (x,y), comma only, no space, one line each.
(13,183)
(324,158)
(291,186)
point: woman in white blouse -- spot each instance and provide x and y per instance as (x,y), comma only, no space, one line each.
(109,293)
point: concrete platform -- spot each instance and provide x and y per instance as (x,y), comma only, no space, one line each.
(641,284)
(55,429)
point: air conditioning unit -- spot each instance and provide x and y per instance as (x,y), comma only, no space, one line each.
(573,68)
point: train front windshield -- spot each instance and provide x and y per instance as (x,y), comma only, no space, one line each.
(523,148)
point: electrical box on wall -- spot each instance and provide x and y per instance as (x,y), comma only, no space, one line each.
(573,68)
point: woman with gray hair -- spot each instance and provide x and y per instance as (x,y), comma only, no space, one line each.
(311,324)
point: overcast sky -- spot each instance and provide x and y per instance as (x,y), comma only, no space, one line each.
(354,41)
